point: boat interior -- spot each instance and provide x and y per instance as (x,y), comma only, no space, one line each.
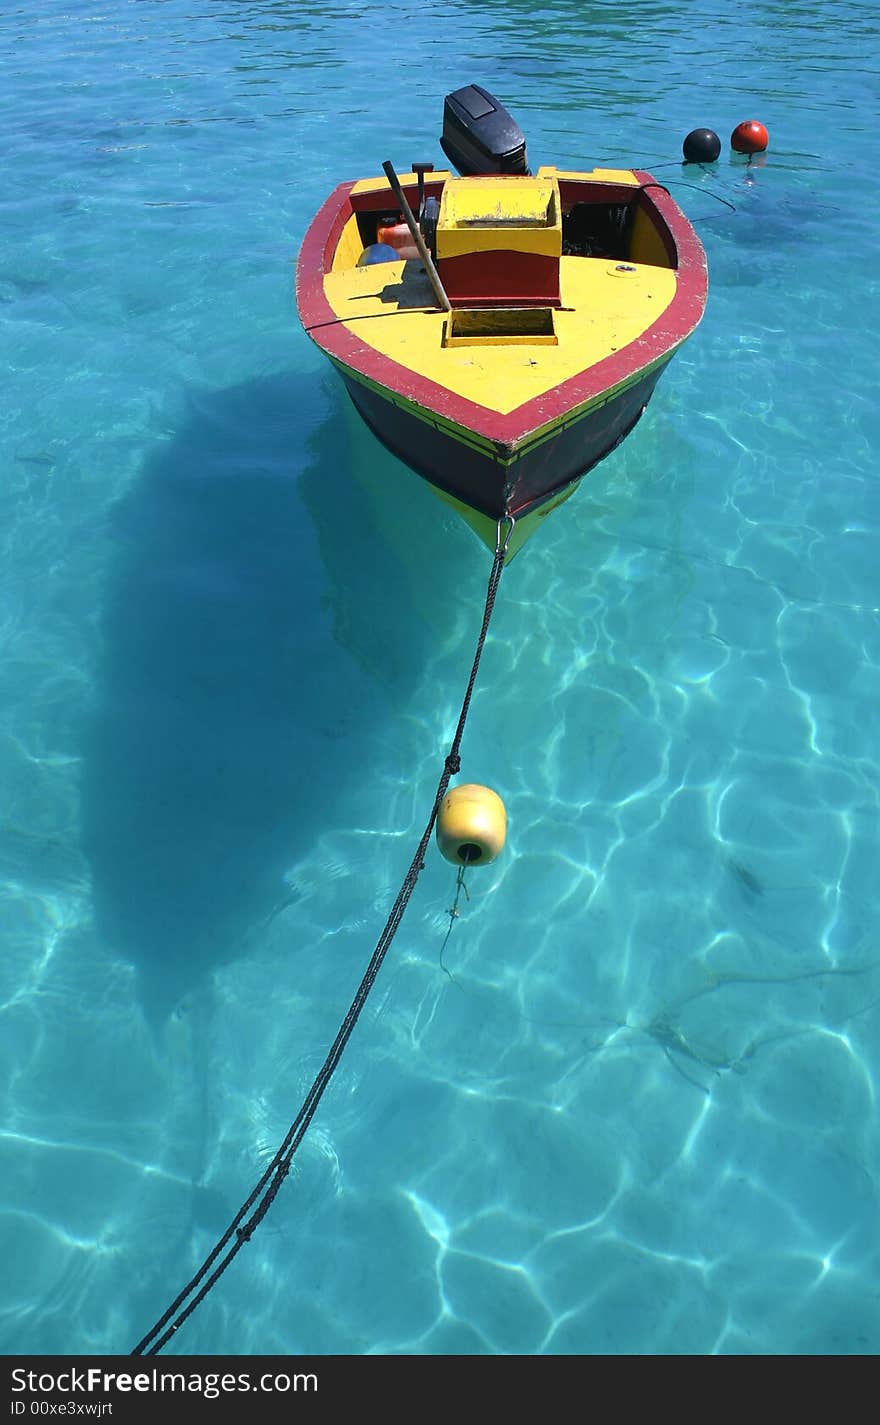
(497,233)
(593,224)
(571,265)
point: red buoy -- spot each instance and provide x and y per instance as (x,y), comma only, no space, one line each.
(749,137)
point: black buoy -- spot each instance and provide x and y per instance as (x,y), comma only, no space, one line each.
(701,146)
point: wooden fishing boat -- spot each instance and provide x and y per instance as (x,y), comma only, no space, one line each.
(500,331)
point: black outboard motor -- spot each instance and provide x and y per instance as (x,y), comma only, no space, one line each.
(479,136)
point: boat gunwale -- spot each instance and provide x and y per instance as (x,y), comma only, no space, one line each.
(526,422)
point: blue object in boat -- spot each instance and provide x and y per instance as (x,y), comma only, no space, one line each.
(378,252)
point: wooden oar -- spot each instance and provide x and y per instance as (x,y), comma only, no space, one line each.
(433,275)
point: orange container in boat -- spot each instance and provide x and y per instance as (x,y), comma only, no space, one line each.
(398,236)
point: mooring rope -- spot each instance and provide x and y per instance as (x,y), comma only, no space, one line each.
(266,1190)
(453,913)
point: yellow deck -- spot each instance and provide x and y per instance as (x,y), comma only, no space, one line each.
(604,309)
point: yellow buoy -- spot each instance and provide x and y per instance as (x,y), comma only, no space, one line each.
(471,825)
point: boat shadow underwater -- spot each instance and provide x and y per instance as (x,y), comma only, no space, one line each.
(258,632)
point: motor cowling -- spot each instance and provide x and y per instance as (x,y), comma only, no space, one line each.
(479,136)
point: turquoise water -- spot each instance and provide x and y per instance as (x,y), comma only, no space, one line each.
(641,1115)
